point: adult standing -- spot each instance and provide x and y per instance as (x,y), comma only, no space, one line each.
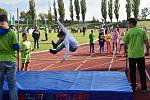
(135,38)
(83,30)
(36,37)
(46,33)
(8,45)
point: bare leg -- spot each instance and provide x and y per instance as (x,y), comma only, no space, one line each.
(22,67)
(26,66)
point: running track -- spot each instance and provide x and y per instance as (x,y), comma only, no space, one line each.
(100,62)
(83,60)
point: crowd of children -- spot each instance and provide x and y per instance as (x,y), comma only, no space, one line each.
(111,37)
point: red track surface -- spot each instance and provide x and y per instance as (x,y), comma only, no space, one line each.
(95,62)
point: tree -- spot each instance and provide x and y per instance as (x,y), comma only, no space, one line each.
(104,9)
(23,16)
(135,8)
(145,12)
(71,11)
(110,9)
(50,16)
(128,8)
(61,9)
(43,18)
(55,11)
(83,9)
(116,10)
(93,20)
(32,11)
(3,11)
(77,9)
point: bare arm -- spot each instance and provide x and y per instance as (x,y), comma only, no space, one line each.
(147,47)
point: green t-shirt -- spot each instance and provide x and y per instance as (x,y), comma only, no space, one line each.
(135,39)
(7,53)
(91,37)
(25,55)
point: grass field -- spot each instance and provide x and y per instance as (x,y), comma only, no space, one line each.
(144,23)
(46,45)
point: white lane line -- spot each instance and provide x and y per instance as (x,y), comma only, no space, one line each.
(56,63)
(112,60)
(62,66)
(147,74)
(101,64)
(84,63)
(80,65)
(49,66)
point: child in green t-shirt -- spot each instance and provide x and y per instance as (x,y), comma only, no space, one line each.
(26,49)
(91,37)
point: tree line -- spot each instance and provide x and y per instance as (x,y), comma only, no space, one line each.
(30,16)
(114,6)
(108,8)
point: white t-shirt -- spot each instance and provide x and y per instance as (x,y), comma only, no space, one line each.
(121,39)
(69,40)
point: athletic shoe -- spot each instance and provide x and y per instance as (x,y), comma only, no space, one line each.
(54,45)
(52,51)
(145,90)
(134,88)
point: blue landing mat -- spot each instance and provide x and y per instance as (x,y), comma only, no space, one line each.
(99,85)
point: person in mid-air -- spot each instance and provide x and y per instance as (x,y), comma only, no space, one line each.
(66,40)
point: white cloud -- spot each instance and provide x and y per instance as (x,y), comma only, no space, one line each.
(12,2)
(93,7)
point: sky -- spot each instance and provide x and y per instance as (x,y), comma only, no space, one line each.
(93,7)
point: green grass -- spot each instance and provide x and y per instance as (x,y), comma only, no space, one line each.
(144,23)
(46,45)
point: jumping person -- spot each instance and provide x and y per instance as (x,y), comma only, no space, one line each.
(66,40)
